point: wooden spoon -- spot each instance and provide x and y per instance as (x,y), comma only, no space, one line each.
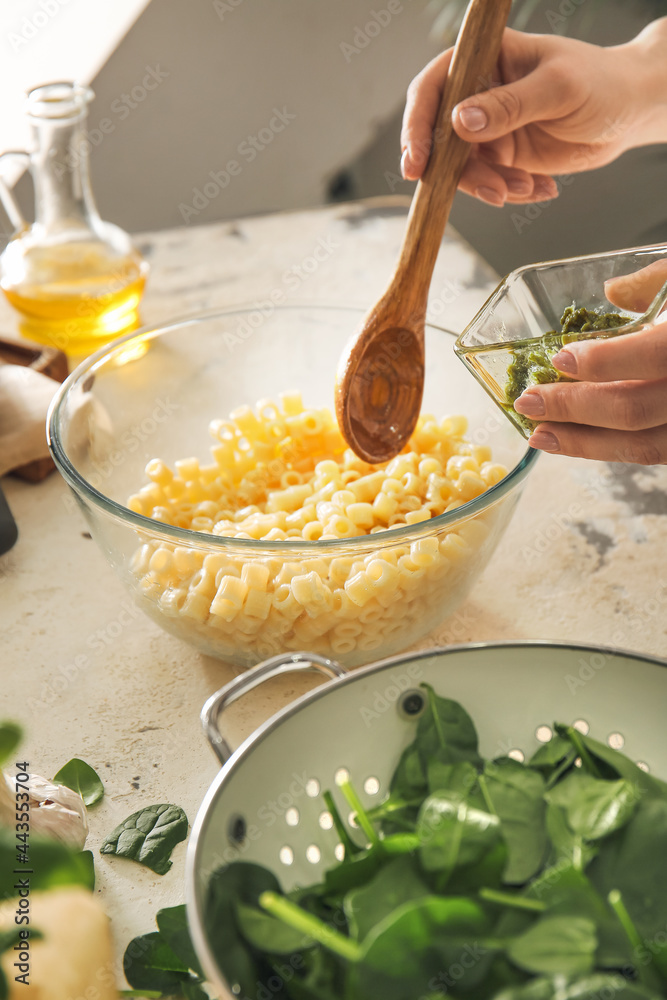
(380,379)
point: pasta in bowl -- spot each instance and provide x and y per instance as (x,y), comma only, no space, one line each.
(271,535)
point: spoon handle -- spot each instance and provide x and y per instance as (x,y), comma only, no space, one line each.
(474,60)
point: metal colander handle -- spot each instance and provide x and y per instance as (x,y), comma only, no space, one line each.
(284,663)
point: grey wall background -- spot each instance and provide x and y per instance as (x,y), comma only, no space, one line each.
(192,82)
(229,64)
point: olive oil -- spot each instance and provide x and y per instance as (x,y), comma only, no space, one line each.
(74,279)
(77,298)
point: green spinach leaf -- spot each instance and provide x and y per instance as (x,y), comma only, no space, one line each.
(396,813)
(593,987)
(446,732)
(566,891)
(239,882)
(149,836)
(52,863)
(357,871)
(612,764)
(172,923)
(409,778)
(267,934)
(397,883)
(557,946)
(516,793)
(81,778)
(553,759)
(151,964)
(634,862)
(11,735)
(164,962)
(87,862)
(594,808)
(461,845)
(568,847)
(414,943)
(456,779)
(536,989)
(320,977)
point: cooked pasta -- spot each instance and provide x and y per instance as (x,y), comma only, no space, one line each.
(285,473)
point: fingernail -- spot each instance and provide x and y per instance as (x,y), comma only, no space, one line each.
(405,163)
(490,196)
(473,119)
(544,441)
(565,361)
(530,404)
(517,186)
(545,192)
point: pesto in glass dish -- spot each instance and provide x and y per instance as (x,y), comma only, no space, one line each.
(531,365)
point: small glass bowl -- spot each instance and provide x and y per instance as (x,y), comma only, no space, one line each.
(529,303)
(153,394)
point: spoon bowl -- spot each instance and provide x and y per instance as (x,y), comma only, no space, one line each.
(384,370)
(380,378)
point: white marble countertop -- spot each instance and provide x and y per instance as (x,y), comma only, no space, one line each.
(584,560)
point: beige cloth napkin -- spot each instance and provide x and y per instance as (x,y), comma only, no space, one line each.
(24,400)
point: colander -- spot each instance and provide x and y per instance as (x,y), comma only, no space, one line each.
(266,804)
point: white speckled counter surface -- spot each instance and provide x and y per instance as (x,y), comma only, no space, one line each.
(584,560)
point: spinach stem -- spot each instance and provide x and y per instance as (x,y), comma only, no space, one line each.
(391,806)
(484,788)
(582,750)
(507,899)
(342,831)
(362,816)
(624,918)
(646,974)
(434,714)
(292,915)
(400,843)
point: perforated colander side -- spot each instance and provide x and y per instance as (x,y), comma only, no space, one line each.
(266,805)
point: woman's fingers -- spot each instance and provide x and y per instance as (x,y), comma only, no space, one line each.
(637,291)
(492,183)
(640,448)
(641,355)
(497,184)
(544,94)
(627,406)
(421,111)
(618,414)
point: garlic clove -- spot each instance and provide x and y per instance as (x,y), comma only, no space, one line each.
(55,810)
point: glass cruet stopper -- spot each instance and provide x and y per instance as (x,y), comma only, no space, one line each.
(75,280)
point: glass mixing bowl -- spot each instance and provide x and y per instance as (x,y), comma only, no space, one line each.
(529,303)
(153,393)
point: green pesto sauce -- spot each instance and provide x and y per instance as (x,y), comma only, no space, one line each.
(532,365)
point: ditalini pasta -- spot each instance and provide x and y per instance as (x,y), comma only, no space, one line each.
(284,473)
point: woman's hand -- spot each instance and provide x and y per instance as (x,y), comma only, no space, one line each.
(616,411)
(557,106)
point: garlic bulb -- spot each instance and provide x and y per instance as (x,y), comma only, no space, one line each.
(55,810)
